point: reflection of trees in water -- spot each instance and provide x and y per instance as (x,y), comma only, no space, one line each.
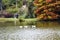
(47,24)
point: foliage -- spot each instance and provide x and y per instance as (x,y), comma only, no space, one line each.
(5,2)
(11,5)
(47,9)
(12,10)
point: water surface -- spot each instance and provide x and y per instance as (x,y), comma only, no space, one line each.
(43,31)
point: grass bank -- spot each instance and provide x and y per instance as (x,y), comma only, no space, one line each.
(16,22)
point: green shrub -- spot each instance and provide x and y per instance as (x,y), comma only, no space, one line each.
(12,10)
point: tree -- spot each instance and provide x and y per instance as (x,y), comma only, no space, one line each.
(10,5)
(0,4)
(46,10)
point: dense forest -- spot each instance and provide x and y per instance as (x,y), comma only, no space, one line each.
(10,5)
(42,9)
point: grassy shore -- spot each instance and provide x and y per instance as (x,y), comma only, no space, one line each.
(16,22)
(7,19)
(15,19)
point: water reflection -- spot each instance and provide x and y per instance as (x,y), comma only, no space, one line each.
(48,24)
(38,24)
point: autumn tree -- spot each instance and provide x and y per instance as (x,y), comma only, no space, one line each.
(46,9)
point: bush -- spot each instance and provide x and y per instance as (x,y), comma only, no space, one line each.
(12,10)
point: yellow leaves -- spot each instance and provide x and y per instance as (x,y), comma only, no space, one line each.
(41,16)
(49,17)
(40,0)
(35,4)
(45,10)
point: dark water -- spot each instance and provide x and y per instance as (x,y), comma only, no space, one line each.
(48,24)
(38,24)
(42,24)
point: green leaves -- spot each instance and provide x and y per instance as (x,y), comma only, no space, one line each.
(12,10)
(11,5)
(5,2)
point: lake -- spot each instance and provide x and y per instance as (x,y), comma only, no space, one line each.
(42,31)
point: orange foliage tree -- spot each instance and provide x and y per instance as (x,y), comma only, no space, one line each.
(46,9)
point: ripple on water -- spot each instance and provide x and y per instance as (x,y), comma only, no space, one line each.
(29,34)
